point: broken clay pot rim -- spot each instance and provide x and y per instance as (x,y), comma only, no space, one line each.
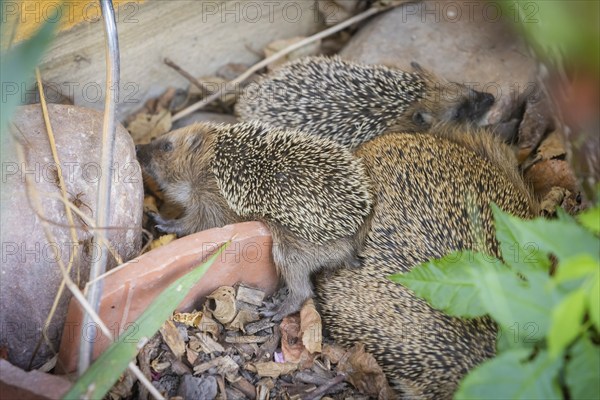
(132,286)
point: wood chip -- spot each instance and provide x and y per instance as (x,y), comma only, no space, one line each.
(245,387)
(225,366)
(172,338)
(273,370)
(269,347)
(246,339)
(244,316)
(249,295)
(258,326)
(208,345)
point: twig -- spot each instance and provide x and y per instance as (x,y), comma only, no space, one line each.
(322,390)
(63,193)
(282,53)
(203,89)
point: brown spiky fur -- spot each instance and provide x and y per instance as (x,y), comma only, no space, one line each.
(352,103)
(431,196)
(312,193)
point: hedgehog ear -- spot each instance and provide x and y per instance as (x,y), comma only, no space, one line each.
(416,66)
(196,142)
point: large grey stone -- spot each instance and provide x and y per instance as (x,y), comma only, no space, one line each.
(469,42)
(30,275)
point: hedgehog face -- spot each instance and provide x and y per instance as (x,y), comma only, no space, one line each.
(453,103)
(175,158)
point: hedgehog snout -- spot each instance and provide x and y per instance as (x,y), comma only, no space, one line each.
(143,154)
(480,104)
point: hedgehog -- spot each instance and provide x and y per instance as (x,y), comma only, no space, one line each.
(312,193)
(431,194)
(352,103)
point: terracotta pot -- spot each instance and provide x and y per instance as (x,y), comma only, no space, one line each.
(131,287)
(33,385)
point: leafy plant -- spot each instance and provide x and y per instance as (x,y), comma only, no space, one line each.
(106,370)
(19,62)
(548,317)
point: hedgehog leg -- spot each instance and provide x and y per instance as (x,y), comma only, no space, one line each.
(297,259)
(177,226)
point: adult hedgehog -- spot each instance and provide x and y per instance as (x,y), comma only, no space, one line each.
(352,103)
(312,193)
(431,195)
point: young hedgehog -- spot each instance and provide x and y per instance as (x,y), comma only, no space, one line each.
(431,195)
(353,103)
(313,194)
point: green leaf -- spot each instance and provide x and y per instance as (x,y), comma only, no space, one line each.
(510,376)
(450,283)
(593,296)
(567,318)
(582,373)
(522,255)
(590,219)
(576,267)
(540,237)
(105,371)
(18,63)
(521,306)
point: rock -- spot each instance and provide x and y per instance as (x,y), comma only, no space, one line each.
(463,41)
(35,385)
(203,116)
(30,272)
(200,388)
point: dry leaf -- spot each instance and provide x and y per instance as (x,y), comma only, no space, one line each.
(333,352)
(208,324)
(311,327)
(223,307)
(161,241)
(122,389)
(158,365)
(172,338)
(273,370)
(365,374)
(189,319)
(553,146)
(145,127)
(547,174)
(291,343)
